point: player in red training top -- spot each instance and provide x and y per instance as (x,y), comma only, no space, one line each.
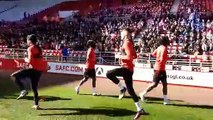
(36,64)
(90,68)
(159,69)
(126,71)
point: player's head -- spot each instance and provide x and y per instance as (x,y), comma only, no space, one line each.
(164,41)
(31,39)
(125,33)
(91,43)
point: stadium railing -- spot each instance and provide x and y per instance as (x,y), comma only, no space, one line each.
(110,58)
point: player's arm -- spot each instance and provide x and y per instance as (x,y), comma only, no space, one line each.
(154,53)
(135,55)
(17,62)
(89,52)
(30,56)
(169,58)
(163,55)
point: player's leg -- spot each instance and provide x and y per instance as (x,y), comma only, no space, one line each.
(112,75)
(86,77)
(18,81)
(164,90)
(35,77)
(24,92)
(94,92)
(83,81)
(93,76)
(18,76)
(129,84)
(156,80)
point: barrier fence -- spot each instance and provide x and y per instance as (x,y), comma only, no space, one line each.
(199,63)
(182,70)
(142,72)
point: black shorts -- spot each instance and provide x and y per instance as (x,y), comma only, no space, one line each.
(27,76)
(90,73)
(27,73)
(159,76)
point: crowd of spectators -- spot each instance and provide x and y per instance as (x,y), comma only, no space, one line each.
(189,28)
(148,20)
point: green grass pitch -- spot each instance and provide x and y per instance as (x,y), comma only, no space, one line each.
(63,104)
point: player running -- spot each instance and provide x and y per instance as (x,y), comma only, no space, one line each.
(90,68)
(126,71)
(159,69)
(36,65)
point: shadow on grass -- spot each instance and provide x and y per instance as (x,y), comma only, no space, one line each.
(156,100)
(45,98)
(151,99)
(112,96)
(92,111)
(47,79)
(193,106)
(8,87)
(173,103)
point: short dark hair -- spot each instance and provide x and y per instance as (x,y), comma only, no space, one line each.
(91,43)
(129,32)
(127,29)
(164,41)
(32,38)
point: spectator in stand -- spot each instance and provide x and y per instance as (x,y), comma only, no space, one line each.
(104,26)
(65,53)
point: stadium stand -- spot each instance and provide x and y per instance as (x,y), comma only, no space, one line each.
(190,31)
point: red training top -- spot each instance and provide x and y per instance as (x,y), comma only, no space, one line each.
(91,59)
(161,57)
(35,59)
(126,60)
